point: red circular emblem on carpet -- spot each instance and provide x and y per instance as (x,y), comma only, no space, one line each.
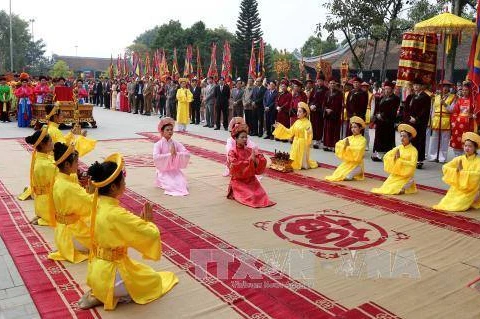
(330,232)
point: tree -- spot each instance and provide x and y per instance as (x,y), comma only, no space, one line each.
(248,30)
(316,46)
(25,52)
(172,35)
(352,18)
(60,69)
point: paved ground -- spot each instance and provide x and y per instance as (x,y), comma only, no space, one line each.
(15,301)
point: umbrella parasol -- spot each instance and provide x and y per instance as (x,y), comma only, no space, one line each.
(446,24)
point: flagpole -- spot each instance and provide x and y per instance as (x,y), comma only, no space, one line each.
(11,38)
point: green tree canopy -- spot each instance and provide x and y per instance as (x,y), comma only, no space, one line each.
(27,55)
(315,46)
(60,68)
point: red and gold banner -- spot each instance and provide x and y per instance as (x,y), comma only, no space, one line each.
(418,58)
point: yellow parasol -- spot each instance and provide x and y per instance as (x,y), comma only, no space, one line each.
(447,24)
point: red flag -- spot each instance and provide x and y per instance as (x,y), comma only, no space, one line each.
(212,70)
(110,71)
(188,67)
(125,64)
(175,72)
(199,66)
(226,63)
(252,65)
(261,59)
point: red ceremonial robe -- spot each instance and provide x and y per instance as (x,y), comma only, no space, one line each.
(284,101)
(296,98)
(124,107)
(331,130)
(244,186)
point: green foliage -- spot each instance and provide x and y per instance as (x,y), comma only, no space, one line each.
(315,46)
(248,30)
(27,55)
(60,68)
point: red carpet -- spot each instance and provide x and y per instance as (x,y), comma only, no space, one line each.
(51,287)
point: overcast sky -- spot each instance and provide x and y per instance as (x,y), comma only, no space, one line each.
(100,28)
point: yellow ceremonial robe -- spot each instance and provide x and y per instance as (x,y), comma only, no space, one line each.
(83,145)
(441,122)
(464,185)
(401,170)
(352,156)
(44,172)
(184,98)
(117,228)
(300,151)
(73,206)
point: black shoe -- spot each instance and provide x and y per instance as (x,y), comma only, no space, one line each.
(226,128)
(192,122)
(420,165)
(197,123)
(135,112)
(216,129)
(267,137)
(147,114)
(206,125)
(376,159)
(315,146)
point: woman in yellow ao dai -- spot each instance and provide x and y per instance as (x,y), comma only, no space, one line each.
(463,175)
(112,276)
(42,176)
(301,131)
(400,163)
(351,151)
(72,208)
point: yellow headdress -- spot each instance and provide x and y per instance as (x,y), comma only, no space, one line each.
(305,106)
(472,137)
(68,152)
(54,110)
(357,120)
(408,128)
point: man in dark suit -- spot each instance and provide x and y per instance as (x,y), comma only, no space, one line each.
(197,93)
(99,93)
(222,97)
(269,100)
(107,88)
(139,96)
(258,110)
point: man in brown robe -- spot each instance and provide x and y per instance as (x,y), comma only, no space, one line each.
(332,114)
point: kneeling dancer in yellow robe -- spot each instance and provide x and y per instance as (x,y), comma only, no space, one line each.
(400,163)
(112,276)
(463,176)
(301,131)
(42,176)
(351,150)
(72,208)
(83,145)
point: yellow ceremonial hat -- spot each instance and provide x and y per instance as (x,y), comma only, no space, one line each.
(472,137)
(118,159)
(407,128)
(358,120)
(305,106)
(183,80)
